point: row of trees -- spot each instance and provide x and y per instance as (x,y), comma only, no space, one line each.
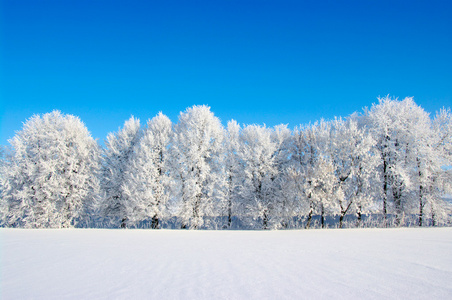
(389,162)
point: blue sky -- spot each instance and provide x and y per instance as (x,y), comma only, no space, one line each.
(270,62)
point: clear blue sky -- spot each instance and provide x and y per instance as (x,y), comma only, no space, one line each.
(259,62)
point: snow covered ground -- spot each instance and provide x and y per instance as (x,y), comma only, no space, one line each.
(173,264)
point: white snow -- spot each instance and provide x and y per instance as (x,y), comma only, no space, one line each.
(172,264)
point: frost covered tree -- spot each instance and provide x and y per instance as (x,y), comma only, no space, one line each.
(117,155)
(302,156)
(354,162)
(311,175)
(146,181)
(324,186)
(281,136)
(3,206)
(432,178)
(197,165)
(51,179)
(400,129)
(300,172)
(2,167)
(257,152)
(393,159)
(232,169)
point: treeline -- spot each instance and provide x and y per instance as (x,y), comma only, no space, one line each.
(389,163)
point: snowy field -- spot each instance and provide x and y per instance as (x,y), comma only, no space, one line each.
(173,264)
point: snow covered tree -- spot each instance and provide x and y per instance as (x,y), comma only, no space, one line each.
(118,151)
(433,179)
(282,137)
(312,172)
(3,206)
(197,165)
(51,179)
(296,174)
(400,129)
(324,185)
(2,166)
(146,181)
(354,166)
(299,173)
(232,169)
(257,152)
(393,159)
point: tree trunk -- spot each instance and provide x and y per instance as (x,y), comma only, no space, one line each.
(397,194)
(421,204)
(229,216)
(308,223)
(123,223)
(155,222)
(420,213)
(196,209)
(265,220)
(341,219)
(359,221)
(230,202)
(322,218)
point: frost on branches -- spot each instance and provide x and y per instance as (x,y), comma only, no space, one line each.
(116,162)
(146,181)
(259,173)
(197,163)
(412,153)
(51,175)
(388,166)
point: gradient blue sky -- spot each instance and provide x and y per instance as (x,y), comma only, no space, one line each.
(259,62)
